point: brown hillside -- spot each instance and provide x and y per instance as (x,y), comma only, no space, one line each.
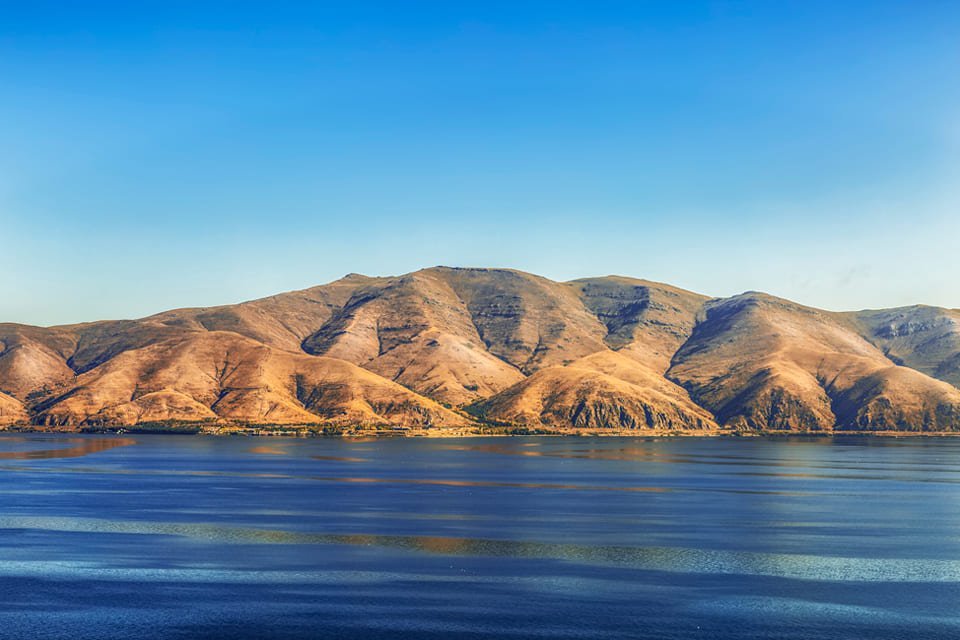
(526,320)
(283,320)
(763,363)
(12,411)
(605,390)
(33,359)
(417,331)
(647,321)
(212,375)
(924,338)
(610,352)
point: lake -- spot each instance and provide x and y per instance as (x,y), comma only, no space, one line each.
(190,536)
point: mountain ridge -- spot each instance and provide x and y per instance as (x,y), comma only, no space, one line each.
(452,348)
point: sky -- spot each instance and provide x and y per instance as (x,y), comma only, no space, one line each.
(156,155)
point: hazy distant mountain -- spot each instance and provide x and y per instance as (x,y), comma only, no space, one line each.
(456,348)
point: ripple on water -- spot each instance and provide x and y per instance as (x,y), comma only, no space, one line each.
(664,559)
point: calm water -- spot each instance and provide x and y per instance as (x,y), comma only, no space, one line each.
(172,536)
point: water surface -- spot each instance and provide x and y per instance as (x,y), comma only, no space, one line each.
(188,536)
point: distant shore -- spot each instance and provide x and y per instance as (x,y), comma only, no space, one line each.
(475,432)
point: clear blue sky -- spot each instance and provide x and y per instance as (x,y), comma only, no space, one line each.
(164,154)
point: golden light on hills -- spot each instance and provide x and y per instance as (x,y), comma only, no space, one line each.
(448,348)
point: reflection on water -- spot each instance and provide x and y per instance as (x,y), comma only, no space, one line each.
(439,482)
(269,451)
(633,454)
(81,447)
(553,537)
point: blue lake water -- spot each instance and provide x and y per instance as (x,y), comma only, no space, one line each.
(201,537)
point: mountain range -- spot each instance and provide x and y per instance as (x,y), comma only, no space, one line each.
(451,350)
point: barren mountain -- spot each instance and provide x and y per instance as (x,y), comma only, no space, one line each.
(526,320)
(443,348)
(760,362)
(602,390)
(417,331)
(645,320)
(283,320)
(33,359)
(210,375)
(12,411)
(924,338)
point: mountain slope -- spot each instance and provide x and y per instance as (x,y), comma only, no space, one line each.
(12,411)
(33,359)
(646,321)
(600,391)
(526,320)
(924,338)
(283,320)
(417,331)
(211,375)
(418,349)
(760,362)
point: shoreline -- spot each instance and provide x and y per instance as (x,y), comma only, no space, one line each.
(458,433)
